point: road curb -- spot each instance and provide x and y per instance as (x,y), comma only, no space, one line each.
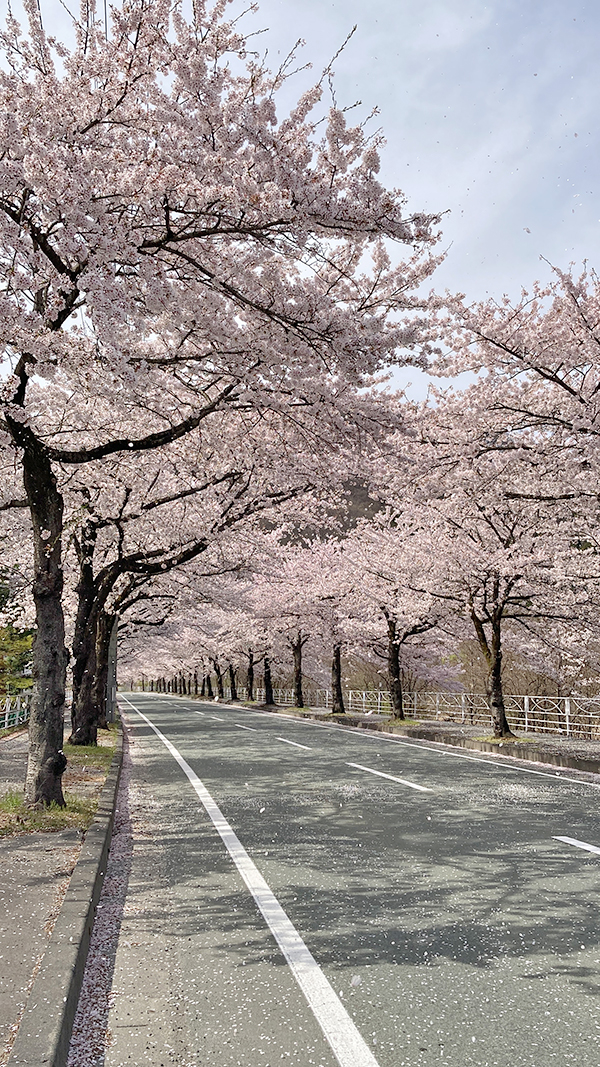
(45,1030)
(529,752)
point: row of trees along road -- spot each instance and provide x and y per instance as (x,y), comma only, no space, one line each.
(471,540)
(198,298)
(178,263)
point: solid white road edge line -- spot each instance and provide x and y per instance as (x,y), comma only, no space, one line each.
(347,1043)
(295,743)
(392,778)
(240,727)
(578,844)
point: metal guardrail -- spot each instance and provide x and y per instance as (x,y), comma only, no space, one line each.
(14,710)
(571,716)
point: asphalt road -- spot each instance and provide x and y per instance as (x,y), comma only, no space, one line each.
(421,899)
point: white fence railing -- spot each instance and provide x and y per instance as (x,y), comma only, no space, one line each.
(570,716)
(14,710)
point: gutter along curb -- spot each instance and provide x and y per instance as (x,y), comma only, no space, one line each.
(45,1030)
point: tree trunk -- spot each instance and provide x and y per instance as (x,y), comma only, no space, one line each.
(337,697)
(492,652)
(83,638)
(82,730)
(297,645)
(195,683)
(232,682)
(209,689)
(99,688)
(203,686)
(268,682)
(46,762)
(495,691)
(394,676)
(250,676)
(219,675)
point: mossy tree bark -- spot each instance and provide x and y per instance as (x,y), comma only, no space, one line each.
(46,762)
(492,652)
(337,696)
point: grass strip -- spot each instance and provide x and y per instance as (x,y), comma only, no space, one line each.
(17,818)
(86,772)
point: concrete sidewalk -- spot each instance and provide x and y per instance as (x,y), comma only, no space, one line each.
(48,891)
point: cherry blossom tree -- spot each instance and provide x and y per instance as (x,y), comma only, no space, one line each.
(148,521)
(538,361)
(169,242)
(405,622)
(495,548)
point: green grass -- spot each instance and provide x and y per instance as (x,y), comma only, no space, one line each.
(8,730)
(94,755)
(17,818)
(89,765)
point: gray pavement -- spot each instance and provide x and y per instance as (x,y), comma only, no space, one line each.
(451,924)
(36,869)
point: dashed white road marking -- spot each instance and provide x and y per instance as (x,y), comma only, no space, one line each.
(346,1041)
(216,718)
(240,727)
(199,712)
(392,777)
(295,743)
(578,844)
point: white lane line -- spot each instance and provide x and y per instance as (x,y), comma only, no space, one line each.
(347,1043)
(377,738)
(392,778)
(295,743)
(578,844)
(240,727)
(216,718)
(199,712)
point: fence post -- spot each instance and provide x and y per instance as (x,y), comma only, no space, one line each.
(568,714)
(526,707)
(379,702)
(462,705)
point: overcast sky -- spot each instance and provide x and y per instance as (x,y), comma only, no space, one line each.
(490,110)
